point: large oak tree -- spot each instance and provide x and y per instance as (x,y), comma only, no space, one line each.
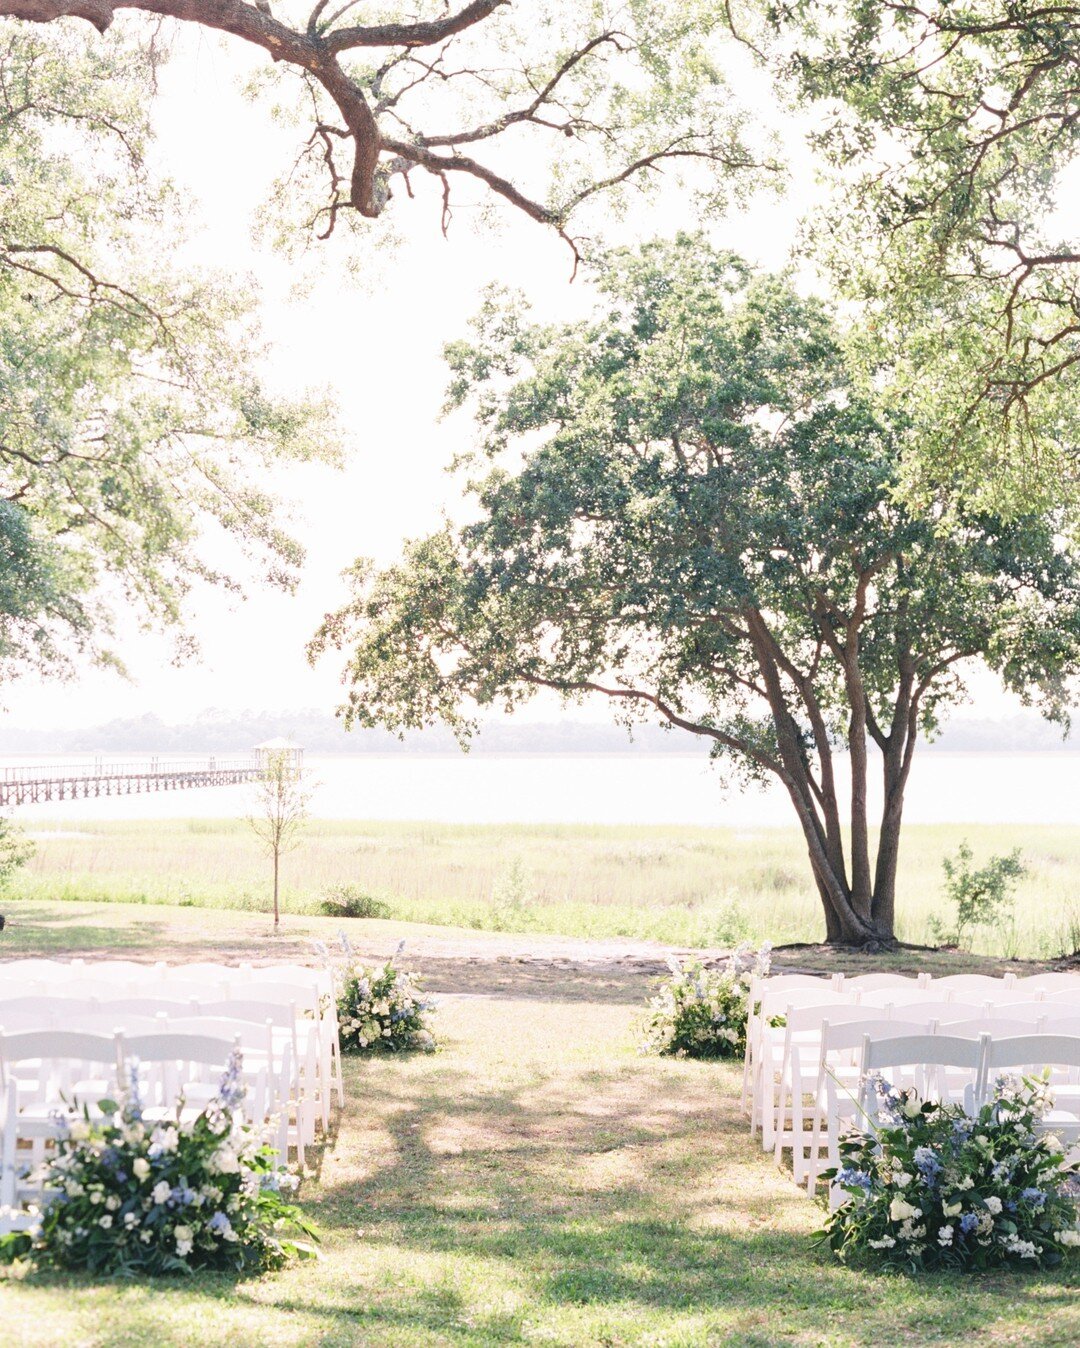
(543,108)
(685,506)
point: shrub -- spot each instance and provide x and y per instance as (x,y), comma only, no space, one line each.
(133,1197)
(381,1009)
(701,1013)
(934,1188)
(982,895)
(348,901)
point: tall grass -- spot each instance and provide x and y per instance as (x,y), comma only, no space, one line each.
(694,886)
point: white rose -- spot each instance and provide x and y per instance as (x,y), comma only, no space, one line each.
(140,1167)
(97,1197)
(912,1107)
(900,1211)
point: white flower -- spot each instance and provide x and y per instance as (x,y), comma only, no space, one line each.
(161,1191)
(952,1209)
(131,1220)
(912,1107)
(105,1222)
(945,1235)
(140,1167)
(224,1161)
(97,1196)
(903,1179)
(167,1139)
(900,1211)
(146,1237)
(993,1204)
(78,1130)
(1069,1237)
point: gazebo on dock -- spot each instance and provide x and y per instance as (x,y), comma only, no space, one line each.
(280,745)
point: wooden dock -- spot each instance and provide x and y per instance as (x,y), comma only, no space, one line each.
(33,784)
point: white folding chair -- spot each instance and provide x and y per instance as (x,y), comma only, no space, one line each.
(836,1090)
(1050,982)
(1032,1054)
(919,1057)
(802,1037)
(769,1048)
(776,984)
(176,1068)
(25,1144)
(54,1067)
(875,982)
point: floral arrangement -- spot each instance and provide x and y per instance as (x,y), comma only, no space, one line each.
(128,1196)
(933,1187)
(701,1013)
(381,1009)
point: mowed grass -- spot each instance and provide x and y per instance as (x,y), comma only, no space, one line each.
(539,1182)
(688,886)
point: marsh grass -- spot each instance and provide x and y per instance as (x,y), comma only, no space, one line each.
(689,886)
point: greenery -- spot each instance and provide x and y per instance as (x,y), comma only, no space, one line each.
(982,896)
(381,1009)
(132,1197)
(701,1013)
(132,416)
(686,507)
(350,901)
(16,849)
(691,886)
(544,1183)
(932,1187)
(944,128)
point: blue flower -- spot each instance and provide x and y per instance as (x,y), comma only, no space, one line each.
(218,1222)
(928,1164)
(1036,1197)
(855,1178)
(968,1222)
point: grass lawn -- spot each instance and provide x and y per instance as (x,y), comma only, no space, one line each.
(688,886)
(535,1182)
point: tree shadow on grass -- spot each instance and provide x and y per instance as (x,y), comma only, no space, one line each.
(731,1260)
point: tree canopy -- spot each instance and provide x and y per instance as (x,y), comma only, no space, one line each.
(952,129)
(542,109)
(685,505)
(132,415)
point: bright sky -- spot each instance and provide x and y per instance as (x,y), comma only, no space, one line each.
(377,345)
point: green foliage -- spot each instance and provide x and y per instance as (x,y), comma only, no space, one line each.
(132,416)
(982,896)
(512,898)
(933,1188)
(381,1009)
(349,901)
(16,849)
(945,129)
(685,505)
(700,1012)
(177,1196)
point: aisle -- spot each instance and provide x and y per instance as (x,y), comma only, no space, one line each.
(537,1182)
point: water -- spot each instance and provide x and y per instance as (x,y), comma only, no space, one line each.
(1036,788)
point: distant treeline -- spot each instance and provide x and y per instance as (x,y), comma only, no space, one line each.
(217,732)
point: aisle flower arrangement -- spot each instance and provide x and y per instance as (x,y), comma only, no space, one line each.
(134,1197)
(701,1013)
(381,1009)
(933,1187)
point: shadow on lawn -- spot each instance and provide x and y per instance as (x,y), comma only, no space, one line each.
(735,1255)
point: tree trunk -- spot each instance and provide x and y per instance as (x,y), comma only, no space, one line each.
(276,864)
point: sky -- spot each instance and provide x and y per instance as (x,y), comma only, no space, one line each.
(376,342)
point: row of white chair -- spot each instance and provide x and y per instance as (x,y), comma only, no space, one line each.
(772,999)
(962,1068)
(46,1074)
(310,989)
